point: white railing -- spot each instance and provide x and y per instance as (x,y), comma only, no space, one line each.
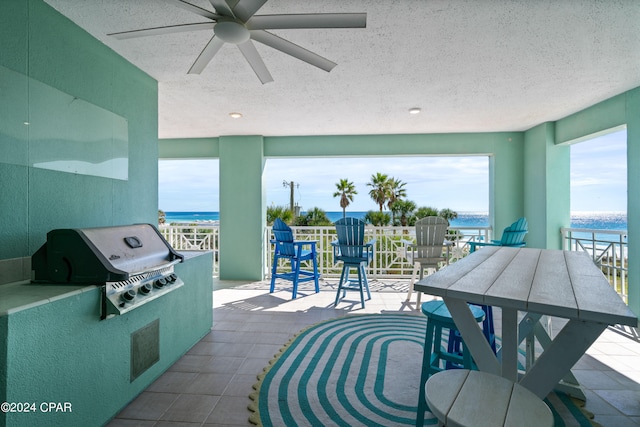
(607,248)
(389,259)
(194,238)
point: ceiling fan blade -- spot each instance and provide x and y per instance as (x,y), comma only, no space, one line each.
(253,58)
(206,55)
(246,8)
(292,49)
(310,20)
(222,7)
(163,30)
(195,9)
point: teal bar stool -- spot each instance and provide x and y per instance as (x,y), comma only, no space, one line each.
(436,356)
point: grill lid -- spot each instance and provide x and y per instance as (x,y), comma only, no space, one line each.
(104,254)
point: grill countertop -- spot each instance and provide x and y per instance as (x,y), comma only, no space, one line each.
(24,295)
(18,296)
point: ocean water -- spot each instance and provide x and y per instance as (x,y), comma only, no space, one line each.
(591,220)
(192,217)
(599,220)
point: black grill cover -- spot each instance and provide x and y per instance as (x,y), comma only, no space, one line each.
(99,255)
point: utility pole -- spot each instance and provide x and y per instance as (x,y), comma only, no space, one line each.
(292,186)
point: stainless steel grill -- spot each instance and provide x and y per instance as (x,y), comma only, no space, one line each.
(134,264)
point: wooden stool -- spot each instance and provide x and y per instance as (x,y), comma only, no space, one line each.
(439,318)
(460,398)
(456,355)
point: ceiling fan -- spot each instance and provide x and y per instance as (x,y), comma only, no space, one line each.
(234,22)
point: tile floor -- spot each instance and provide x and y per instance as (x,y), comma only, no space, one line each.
(209,386)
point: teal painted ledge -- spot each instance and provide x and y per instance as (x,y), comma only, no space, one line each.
(58,350)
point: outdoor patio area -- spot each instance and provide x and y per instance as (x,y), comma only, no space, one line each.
(211,384)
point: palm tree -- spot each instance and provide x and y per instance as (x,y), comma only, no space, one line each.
(404,208)
(396,192)
(346,191)
(284,213)
(313,218)
(378,219)
(448,214)
(162,217)
(425,211)
(379,188)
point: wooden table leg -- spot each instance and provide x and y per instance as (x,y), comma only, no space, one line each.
(510,344)
(532,328)
(559,357)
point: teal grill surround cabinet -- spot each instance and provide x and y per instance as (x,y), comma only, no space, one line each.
(58,350)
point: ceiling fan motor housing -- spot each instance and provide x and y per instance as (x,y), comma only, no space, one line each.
(231,31)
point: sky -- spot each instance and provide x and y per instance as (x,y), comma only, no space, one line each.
(599,174)
(598,180)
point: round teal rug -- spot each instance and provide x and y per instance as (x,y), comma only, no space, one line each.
(357,370)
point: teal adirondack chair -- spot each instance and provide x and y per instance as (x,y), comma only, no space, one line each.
(512,236)
(351,250)
(296,252)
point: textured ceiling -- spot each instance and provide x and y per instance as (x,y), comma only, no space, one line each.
(471,66)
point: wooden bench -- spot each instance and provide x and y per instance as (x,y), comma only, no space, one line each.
(463,398)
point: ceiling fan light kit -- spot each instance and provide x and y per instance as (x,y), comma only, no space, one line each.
(240,26)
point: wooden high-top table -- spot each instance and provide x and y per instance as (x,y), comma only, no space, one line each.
(537,282)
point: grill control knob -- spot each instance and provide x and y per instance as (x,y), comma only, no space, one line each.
(145,289)
(128,296)
(172,277)
(160,283)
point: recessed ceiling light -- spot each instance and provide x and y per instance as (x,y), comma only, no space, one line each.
(414,110)
(235,115)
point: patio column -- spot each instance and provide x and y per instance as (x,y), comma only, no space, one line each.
(546,187)
(633,196)
(506,182)
(242,208)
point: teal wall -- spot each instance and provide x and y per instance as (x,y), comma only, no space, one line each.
(42,46)
(547,187)
(242,208)
(605,115)
(189,148)
(62,352)
(387,145)
(632,104)
(506,180)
